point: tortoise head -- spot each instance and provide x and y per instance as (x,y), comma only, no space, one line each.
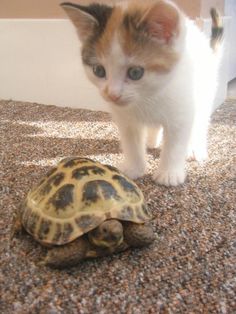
(108,234)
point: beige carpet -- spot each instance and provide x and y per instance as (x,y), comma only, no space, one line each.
(190,268)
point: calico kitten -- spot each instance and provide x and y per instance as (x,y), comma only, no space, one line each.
(157,70)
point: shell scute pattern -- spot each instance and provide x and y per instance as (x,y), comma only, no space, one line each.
(30,220)
(86,222)
(44,228)
(50,172)
(62,198)
(83,193)
(129,188)
(98,189)
(112,169)
(57,233)
(73,161)
(53,180)
(80,172)
(126,213)
(67,232)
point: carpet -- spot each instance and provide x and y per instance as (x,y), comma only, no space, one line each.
(190,267)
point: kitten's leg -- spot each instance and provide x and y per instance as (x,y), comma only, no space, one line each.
(172,161)
(198,144)
(154,137)
(133,143)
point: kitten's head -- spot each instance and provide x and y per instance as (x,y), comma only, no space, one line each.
(128,49)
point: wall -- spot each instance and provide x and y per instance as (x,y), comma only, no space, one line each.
(30,9)
(230,10)
(39,55)
(37,8)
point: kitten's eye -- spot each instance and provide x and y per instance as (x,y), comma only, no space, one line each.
(135,73)
(99,71)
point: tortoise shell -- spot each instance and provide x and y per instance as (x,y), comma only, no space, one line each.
(78,195)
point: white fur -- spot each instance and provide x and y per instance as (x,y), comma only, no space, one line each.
(180,101)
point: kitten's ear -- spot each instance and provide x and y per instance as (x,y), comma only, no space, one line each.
(82,20)
(162,21)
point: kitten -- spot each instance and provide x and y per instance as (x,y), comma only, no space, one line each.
(157,70)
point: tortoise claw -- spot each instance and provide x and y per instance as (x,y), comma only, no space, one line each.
(16,228)
(41,263)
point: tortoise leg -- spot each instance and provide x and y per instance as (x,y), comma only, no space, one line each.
(17,227)
(67,255)
(138,235)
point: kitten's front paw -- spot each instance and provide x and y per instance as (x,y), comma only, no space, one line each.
(169,177)
(133,172)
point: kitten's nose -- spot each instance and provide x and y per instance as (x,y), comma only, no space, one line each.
(113,96)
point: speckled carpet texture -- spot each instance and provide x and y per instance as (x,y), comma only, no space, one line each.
(190,267)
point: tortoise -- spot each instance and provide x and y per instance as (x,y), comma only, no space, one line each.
(83,209)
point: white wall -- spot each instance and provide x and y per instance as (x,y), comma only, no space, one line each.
(230,10)
(40,62)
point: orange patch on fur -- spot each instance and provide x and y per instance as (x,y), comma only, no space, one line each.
(135,28)
(164,65)
(105,93)
(104,43)
(136,35)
